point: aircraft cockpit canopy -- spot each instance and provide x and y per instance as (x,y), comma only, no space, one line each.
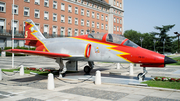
(114,38)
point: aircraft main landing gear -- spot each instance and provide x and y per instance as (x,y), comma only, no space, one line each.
(142,75)
(87,69)
(62,69)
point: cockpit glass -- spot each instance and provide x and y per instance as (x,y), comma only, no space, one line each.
(115,38)
(130,43)
(98,36)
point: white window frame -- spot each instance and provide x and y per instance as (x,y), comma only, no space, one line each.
(36,11)
(62,6)
(117,20)
(46,18)
(46,1)
(76,10)
(120,29)
(62,30)
(102,17)
(4,23)
(97,25)
(117,28)
(28,10)
(47,28)
(82,11)
(106,18)
(114,28)
(114,19)
(55,4)
(93,14)
(38,25)
(69,31)
(62,20)
(15,9)
(82,32)
(106,27)
(69,19)
(75,32)
(2,6)
(102,26)
(76,21)
(69,8)
(97,15)
(54,31)
(17,27)
(82,22)
(93,24)
(87,23)
(26,0)
(120,5)
(114,2)
(88,13)
(117,3)
(120,21)
(37,2)
(54,16)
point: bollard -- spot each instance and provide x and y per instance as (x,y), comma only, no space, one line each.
(140,79)
(98,78)
(131,69)
(0,75)
(50,85)
(22,70)
(118,65)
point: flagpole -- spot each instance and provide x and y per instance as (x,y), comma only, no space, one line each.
(13,36)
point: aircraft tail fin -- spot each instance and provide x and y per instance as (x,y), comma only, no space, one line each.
(33,36)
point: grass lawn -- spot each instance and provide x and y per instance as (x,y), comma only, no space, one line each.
(26,71)
(178,61)
(163,84)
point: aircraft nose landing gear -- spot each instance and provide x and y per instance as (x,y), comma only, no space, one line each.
(142,75)
(87,69)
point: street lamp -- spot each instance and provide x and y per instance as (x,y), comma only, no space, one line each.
(178,39)
(154,44)
(164,45)
(141,40)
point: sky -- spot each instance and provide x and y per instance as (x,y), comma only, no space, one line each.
(144,15)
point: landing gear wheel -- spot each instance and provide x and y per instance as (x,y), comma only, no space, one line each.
(139,76)
(64,74)
(87,69)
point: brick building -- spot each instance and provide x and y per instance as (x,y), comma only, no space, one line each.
(57,18)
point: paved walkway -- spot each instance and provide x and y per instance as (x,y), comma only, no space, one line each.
(34,88)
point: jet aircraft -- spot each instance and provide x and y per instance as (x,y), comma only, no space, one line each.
(90,47)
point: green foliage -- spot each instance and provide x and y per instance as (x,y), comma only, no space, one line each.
(10,54)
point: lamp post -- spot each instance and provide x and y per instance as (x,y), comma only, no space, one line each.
(178,39)
(154,44)
(141,40)
(164,45)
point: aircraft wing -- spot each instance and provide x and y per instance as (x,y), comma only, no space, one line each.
(31,52)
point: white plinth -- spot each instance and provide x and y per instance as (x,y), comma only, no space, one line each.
(0,74)
(131,69)
(98,78)
(50,85)
(22,70)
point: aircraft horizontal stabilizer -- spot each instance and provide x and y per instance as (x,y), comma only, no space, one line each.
(47,54)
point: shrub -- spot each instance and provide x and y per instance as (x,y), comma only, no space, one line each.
(172,79)
(157,78)
(178,80)
(164,79)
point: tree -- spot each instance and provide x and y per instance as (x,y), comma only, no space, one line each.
(133,36)
(163,36)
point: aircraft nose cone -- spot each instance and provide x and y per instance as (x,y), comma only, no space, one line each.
(168,60)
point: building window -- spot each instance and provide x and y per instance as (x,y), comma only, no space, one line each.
(62,31)
(15,26)
(69,32)
(93,24)
(46,15)
(97,25)
(36,13)
(114,28)
(102,26)
(117,3)
(114,2)
(82,32)
(54,31)
(117,28)
(69,20)
(82,22)
(102,17)
(76,10)
(2,25)
(46,29)
(76,32)
(97,15)
(106,18)
(87,13)
(15,9)
(26,0)
(76,21)
(26,11)
(106,27)
(120,29)
(37,2)
(120,5)
(46,3)
(2,7)
(82,11)
(69,8)
(87,23)
(54,17)
(62,7)
(120,21)
(92,14)
(62,18)
(117,20)
(37,25)
(114,19)
(55,4)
